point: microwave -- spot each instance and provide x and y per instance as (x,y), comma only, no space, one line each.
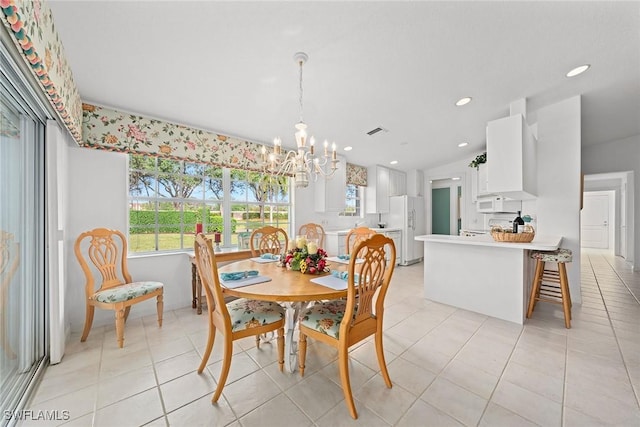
(497,204)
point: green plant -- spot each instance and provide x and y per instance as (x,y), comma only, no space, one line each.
(480,159)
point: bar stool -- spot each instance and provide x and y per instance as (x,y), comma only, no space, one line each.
(551,285)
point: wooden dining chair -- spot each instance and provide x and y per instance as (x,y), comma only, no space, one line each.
(237,319)
(105,250)
(313,231)
(357,235)
(324,321)
(268,239)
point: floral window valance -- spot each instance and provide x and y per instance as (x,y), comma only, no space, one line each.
(112,130)
(30,24)
(356,175)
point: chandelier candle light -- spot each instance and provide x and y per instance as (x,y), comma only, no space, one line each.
(304,162)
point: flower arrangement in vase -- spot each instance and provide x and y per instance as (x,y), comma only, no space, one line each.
(305,256)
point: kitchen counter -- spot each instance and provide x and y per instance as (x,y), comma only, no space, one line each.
(539,243)
(336,239)
(481,275)
(345,231)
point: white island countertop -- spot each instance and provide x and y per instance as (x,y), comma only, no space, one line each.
(539,243)
(377,230)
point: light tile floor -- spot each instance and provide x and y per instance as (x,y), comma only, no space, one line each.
(449,367)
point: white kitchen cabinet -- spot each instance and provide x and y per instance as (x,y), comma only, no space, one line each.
(397,183)
(483,179)
(334,243)
(415,183)
(511,149)
(330,192)
(377,190)
(396,236)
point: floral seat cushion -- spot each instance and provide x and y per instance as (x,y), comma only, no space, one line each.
(325,317)
(561,255)
(248,313)
(126,292)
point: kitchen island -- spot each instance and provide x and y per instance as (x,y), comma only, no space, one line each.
(482,275)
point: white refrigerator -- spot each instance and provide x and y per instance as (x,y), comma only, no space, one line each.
(407,213)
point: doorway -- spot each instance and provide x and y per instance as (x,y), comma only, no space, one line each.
(446,197)
(598,220)
(440,219)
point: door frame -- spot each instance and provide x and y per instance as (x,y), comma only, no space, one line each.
(622,184)
(457,204)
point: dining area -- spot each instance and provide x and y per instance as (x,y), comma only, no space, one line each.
(289,290)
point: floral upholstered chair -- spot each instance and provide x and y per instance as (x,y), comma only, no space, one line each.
(268,239)
(343,323)
(235,320)
(105,250)
(357,235)
(313,231)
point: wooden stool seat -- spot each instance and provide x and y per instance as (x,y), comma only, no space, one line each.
(551,285)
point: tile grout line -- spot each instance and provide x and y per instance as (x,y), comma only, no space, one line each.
(615,335)
(489,400)
(155,375)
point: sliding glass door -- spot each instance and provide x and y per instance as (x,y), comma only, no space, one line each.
(22,264)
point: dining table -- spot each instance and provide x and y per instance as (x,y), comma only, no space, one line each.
(292,289)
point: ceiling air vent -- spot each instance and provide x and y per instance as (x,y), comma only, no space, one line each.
(376,130)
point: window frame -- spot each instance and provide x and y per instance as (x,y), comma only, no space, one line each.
(225,204)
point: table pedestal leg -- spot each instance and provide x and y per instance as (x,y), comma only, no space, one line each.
(199,294)
(194,275)
(291,341)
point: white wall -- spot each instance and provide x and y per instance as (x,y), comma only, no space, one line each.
(620,156)
(558,202)
(98,187)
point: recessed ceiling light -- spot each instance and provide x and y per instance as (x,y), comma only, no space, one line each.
(455,178)
(349,148)
(393,162)
(578,70)
(463,144)
(463,101)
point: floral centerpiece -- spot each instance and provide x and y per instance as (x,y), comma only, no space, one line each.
(305,257)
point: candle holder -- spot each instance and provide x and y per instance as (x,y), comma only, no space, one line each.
(217,238)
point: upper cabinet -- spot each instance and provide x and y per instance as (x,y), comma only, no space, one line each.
(483,179)
(511,159)
(415,183)
(377,191)
(397,183)
(330,192)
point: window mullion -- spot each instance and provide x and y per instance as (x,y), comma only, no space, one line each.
(226,206)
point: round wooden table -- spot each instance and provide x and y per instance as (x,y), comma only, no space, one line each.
(291,288)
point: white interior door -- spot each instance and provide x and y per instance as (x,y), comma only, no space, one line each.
(595,220)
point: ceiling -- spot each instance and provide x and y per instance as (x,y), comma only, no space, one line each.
(228,67)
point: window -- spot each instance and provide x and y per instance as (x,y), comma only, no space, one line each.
(353,200)
(168,198)
(24,323)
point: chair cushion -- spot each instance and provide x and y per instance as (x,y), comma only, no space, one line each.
(126,292)
(249,313)
(325,317)
(561,255)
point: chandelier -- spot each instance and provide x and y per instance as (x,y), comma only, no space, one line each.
(304,162)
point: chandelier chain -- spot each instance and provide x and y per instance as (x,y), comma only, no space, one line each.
(301,92)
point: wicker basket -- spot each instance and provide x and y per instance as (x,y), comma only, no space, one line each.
(499,235)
